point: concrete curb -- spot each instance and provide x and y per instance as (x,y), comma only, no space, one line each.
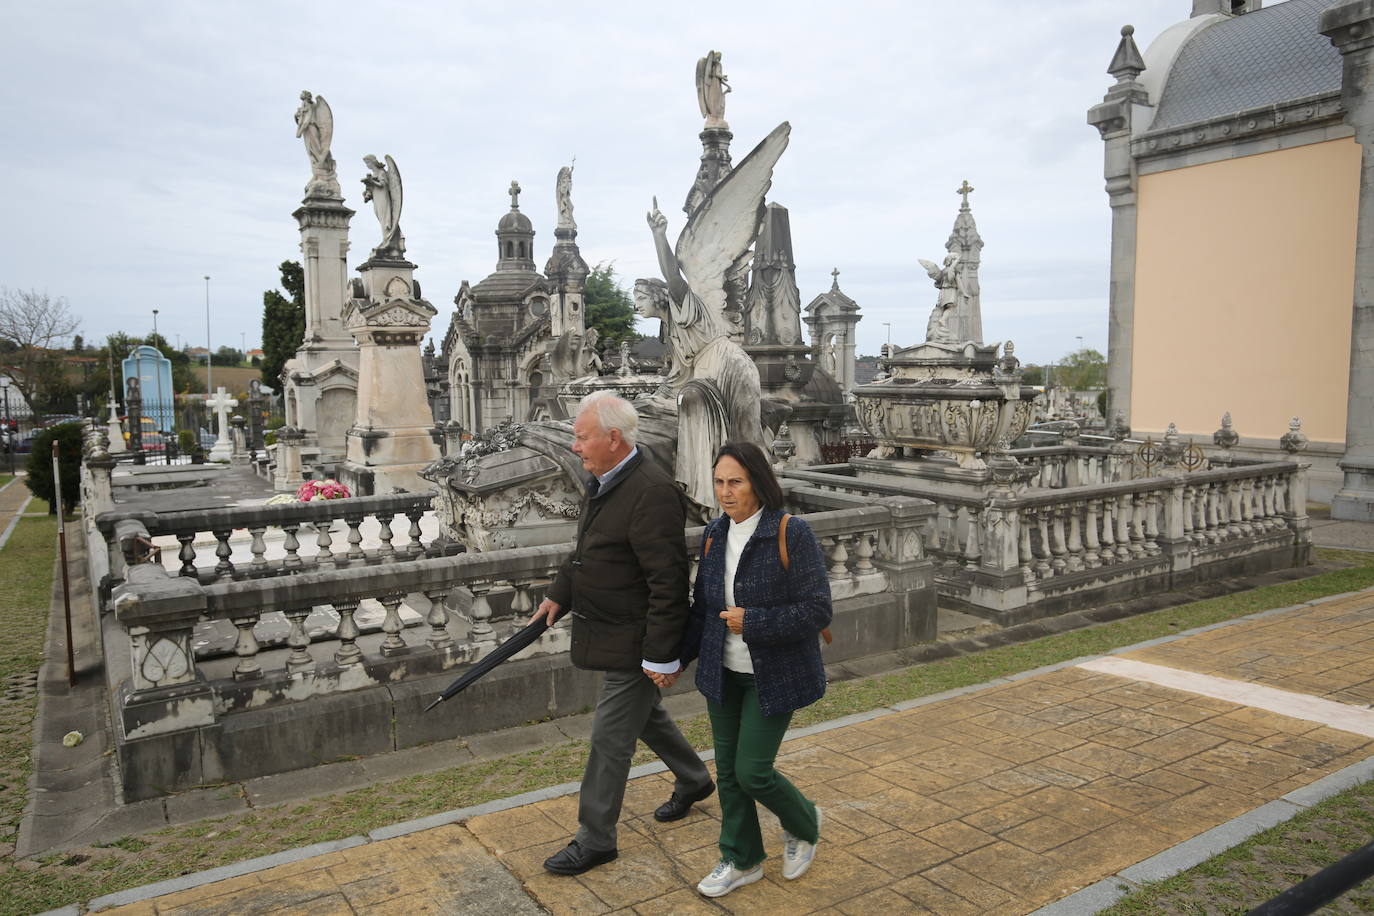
(1091,899)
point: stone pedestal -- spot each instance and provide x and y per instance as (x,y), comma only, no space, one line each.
(114,431)
(390,441)
(223,448)
(321,380)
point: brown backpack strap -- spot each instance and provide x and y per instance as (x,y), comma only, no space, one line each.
(782,555)
(706,551)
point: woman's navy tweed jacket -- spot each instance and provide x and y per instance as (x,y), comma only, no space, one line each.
(784,612)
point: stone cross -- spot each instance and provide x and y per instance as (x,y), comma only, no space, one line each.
(221,404)
(964,191)
(835,283)
(515,195)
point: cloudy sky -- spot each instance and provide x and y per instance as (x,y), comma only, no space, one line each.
(148,144)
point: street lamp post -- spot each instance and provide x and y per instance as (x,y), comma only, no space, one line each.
(209,372)
(888,325)
(157,368)
(9,435)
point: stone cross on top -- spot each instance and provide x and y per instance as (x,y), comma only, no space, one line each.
(221,404)
(964,191)
(515,195)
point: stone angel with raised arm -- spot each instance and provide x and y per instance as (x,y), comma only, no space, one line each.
(951,295)
(315,125)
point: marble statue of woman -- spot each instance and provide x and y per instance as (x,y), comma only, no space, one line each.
(382,186)
(951,296)
(712,85)
(563,193)
(315,125)
(725,398)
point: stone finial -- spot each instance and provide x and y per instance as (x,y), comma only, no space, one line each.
(1171,448)
(835,280)
(1293,441)
(1121,430)
(964,191)
(1008,364)
(783,446)
(1127,63)
(1225,438)
(514,195)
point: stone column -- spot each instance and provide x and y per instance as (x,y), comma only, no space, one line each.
(390,441)
(1350,26)
(289,474)
(1123,104)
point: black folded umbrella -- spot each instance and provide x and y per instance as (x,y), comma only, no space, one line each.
(520,640)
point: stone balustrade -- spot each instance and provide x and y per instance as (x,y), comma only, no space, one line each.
(166,698)
(307,533)
(1023,551)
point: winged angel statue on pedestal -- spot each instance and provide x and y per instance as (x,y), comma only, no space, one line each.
(315,125)
(716,383)
(382,186)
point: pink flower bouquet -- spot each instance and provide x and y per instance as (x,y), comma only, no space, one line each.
(323,489)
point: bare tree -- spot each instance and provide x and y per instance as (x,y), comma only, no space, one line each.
(33,324)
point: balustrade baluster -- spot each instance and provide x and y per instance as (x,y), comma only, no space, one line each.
(323,540)
(1043,567)
(299,661)
(1282,494)
(187,555)
(222,550)
(1211,506)
(1108,507)
(439,637)
(1135,505)
(258,547)
(347,632)
(946,518)
(1151,510)
(1123,526)
(392,626)
(973,551)
(1091,558)
(355,537)
(1057,546)
(1075,558)
(1272,490)
(863,549)
(1188,515)
(839,558)
(246,648)
(1247,508)
(1023,548)
(292,545)
(386,552)
(481,631)
(415,548)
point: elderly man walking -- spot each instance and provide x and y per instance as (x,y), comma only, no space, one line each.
(626,586)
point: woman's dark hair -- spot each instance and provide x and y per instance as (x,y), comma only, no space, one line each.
(755,464)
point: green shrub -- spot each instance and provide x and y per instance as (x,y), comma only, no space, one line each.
(186,441)
(39,481)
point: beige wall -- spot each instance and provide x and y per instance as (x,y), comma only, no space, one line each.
(1243,290)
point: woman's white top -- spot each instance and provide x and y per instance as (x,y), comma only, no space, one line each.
(736,652)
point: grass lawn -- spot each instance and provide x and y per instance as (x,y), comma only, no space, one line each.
(5,478)
(75,875)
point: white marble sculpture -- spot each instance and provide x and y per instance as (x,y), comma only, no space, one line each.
(315,125)
(382,186)
(221,403)
(951,296)
(691,305)
(563,193)
(712,86)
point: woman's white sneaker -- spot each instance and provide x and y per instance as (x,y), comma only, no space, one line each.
(725,877)
(797,853)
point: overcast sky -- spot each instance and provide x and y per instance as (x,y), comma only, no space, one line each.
(148,144)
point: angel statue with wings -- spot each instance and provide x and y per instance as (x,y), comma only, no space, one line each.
(716,383)
(712,85)
(952,295)
(315,125)
(382,186)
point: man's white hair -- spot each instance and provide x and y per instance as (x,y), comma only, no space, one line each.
(612,412)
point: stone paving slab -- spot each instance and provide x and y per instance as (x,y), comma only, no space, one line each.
(998,800)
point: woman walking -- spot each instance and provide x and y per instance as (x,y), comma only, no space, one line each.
(762,598)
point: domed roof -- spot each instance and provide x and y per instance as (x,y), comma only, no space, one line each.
(515,221)
(1272,55)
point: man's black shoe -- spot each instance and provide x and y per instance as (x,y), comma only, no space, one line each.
(676,807)
(574,860)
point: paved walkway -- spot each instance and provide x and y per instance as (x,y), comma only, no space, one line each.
(998,799)
(14,498)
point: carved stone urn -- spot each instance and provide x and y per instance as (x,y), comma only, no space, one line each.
(956,398)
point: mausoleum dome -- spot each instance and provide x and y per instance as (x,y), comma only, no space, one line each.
(515,221)
(1232,64)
